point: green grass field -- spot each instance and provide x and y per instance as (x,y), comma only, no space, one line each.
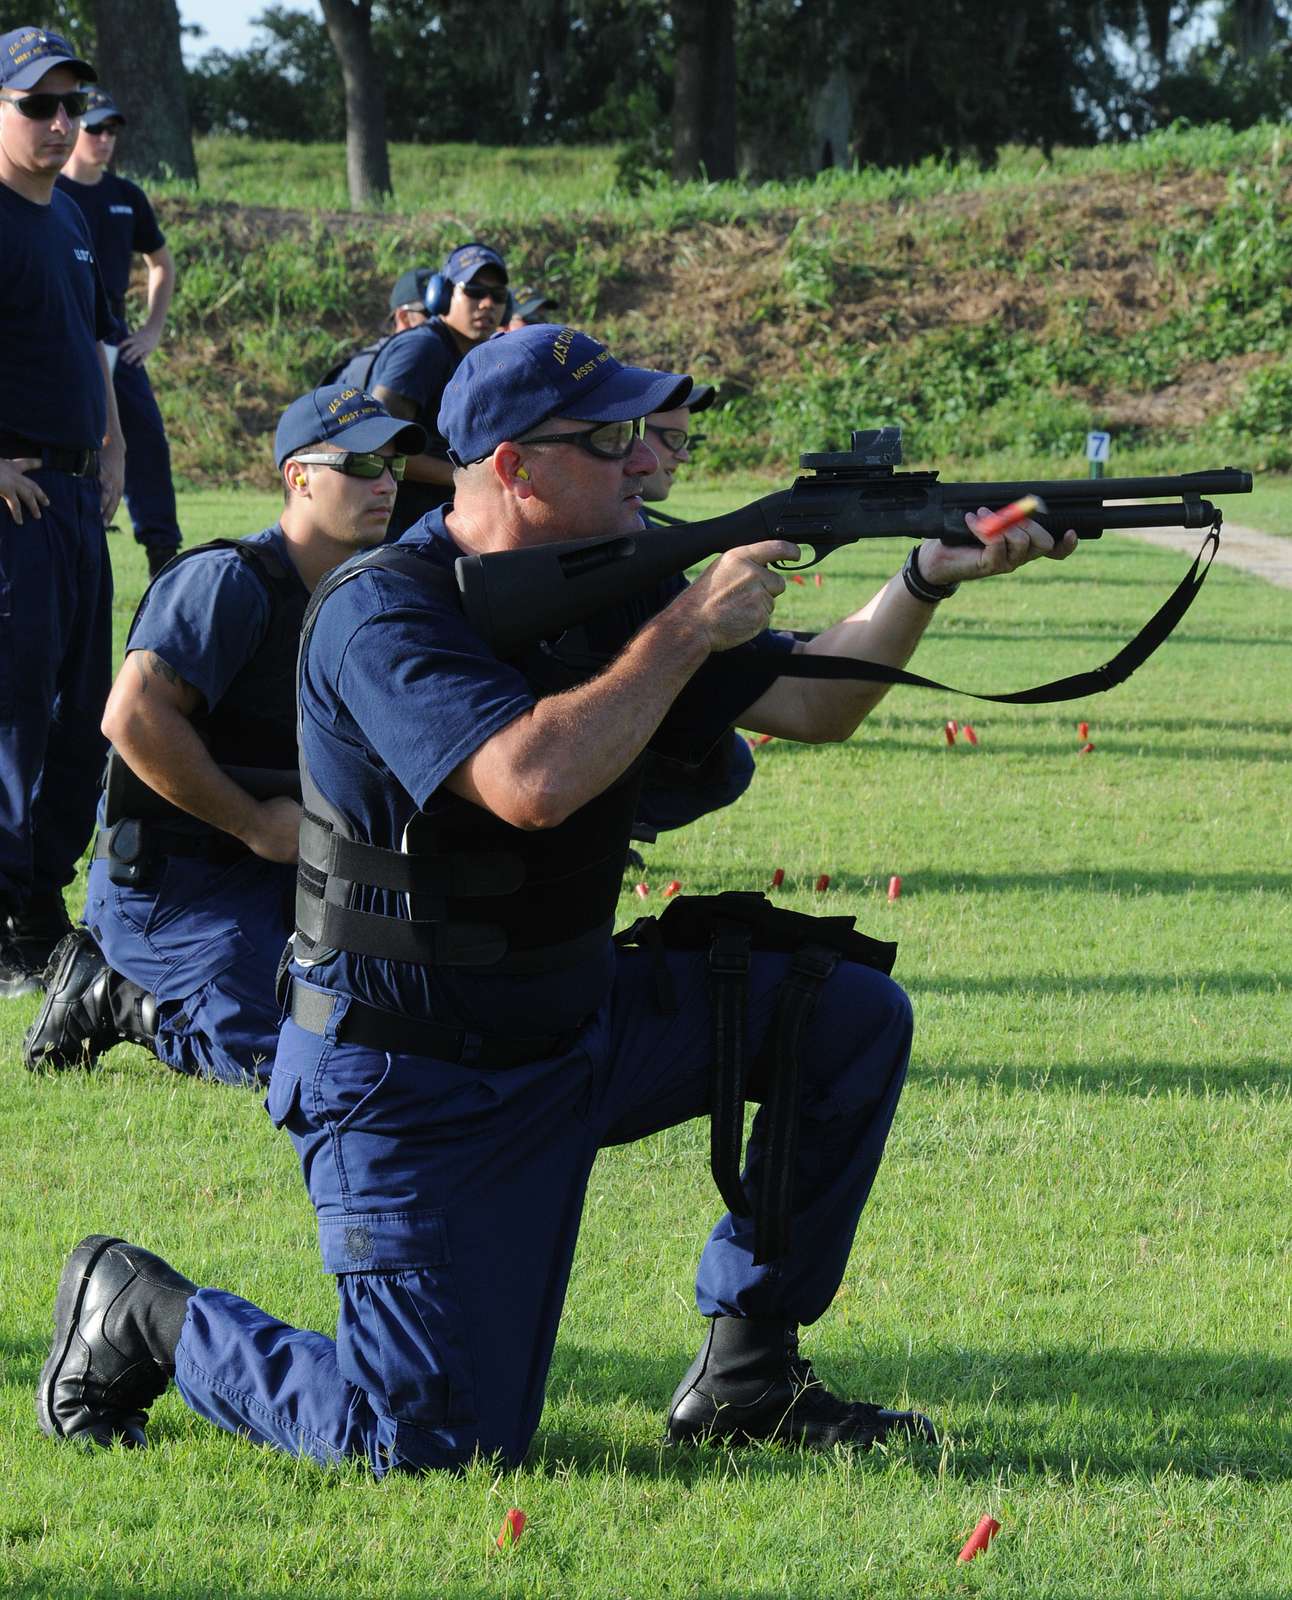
(1076,1257)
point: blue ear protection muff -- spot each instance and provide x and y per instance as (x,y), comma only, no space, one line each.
(439,294)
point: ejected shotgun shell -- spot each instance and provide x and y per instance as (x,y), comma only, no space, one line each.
(979,1539)
(995,523)
(674,888)
(894,887)
(1083,730)
(795,577)
(823,883)
(817,579)
(1086,749)
(778,877)
(513,1525)
(764,738)
(951,730)
(642,890)
(969,734)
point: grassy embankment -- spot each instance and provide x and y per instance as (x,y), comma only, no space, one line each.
(997,315)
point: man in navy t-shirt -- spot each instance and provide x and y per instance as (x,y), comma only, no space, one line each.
(61,467)
(468,300)
(463,1035)
(121,224)
(188,911)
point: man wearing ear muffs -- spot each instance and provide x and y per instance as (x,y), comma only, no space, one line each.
(468,302)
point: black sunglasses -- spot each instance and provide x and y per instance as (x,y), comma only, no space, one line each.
(485,291)
(676,439)
(358,463)
(44,107)
(612,441)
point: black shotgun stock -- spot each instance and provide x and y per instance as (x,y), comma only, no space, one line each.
(516,597)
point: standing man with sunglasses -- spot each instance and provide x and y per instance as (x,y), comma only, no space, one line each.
(188,911)
(61,469)
(121,222)
(464,1036)
(468,301)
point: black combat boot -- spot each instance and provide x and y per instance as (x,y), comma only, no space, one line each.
(117,1320)
(87,1009)
(38,926)
(749,1382)
(159,556)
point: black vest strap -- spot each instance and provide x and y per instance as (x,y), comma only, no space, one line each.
(728,926)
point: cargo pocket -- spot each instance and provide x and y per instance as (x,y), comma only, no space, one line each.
(401,1336)
(284,1098)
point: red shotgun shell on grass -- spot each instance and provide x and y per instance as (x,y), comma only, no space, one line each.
(823,883)
(969,734)
(951,730)
(764,738)
(795,577)
(673,888)
(641,890)
(513,1525)
(1083,730)
(894,887)
(979,1539)
(1086,749)
(817,579)
(778,877)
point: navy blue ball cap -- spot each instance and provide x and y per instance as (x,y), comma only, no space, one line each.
(102,108)
(509,384)
(410,288)
(464,262)
(27,54)
(343,415)
(701,397)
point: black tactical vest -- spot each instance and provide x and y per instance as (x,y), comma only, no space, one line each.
(254,722)
(467,889)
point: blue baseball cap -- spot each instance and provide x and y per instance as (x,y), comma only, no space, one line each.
(27,54)
(410,288)
(344,415)
(102,108)
(513,381)
(464,262)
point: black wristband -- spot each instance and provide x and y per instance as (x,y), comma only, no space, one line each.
(918,586)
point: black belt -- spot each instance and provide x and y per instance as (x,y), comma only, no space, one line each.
(312,1009)
(218,848)
(79,463)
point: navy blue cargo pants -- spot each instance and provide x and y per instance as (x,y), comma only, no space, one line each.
(205,938)
(150,493)
(449,1199)
(55,672)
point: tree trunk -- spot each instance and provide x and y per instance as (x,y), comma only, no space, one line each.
(1254,23)
(704,89)
(139,63)
(367,163)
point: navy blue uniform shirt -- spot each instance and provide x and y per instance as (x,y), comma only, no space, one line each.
(206,618)
(418,364)
(53,312)
(397,690)
(121,222)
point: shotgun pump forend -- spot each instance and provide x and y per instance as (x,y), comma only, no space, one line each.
(516,597)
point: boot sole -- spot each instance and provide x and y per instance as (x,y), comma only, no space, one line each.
(72,1288)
